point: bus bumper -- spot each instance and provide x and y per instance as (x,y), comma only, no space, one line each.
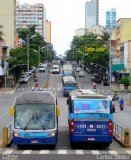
(94,138)
(39,141)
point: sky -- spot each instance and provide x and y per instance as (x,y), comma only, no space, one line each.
(68,15)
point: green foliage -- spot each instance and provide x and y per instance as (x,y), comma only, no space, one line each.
(1,33)
(89,40)
(19,55)
(125,81)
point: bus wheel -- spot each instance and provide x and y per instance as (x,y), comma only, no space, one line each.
(72,144)
(106,145)
(52,146)
(19,146)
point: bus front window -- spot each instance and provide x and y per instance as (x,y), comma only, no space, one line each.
(34,116)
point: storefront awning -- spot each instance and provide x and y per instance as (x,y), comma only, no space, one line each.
(117,67)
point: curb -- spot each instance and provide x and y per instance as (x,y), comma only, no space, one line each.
(120,143)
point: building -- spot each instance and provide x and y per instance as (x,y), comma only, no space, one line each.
(31,15)
(125,58)
(48,31)
(123,33)
(111,18)
(91,13)
(80,31)
(7,20)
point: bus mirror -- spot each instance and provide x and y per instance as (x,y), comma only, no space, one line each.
(58,111)
(67,100)
(11,110)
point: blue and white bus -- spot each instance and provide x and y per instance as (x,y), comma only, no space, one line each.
(69,84)
(90,117)
(35,115)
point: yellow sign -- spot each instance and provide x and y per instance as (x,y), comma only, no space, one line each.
(90,49)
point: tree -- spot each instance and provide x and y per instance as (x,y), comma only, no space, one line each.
(125,81)
(1,33)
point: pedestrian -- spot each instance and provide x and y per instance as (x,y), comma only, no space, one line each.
(113,108)
(94,85)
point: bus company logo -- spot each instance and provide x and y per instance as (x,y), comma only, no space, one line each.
(85,107)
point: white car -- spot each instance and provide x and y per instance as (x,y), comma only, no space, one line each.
(42,67)
(78,69)
(24,78)
(81,74)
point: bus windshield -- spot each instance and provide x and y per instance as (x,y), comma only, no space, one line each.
(70,84)
(34,116)
(92,106)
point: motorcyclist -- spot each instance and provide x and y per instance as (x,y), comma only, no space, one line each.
(121,102)
(116,97)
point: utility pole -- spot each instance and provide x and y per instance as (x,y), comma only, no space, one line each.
(110,77)
(28,58)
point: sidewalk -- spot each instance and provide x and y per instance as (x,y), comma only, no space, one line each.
(7,89)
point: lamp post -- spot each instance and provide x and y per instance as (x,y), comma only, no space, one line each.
(38,59)
(28,55)
(110,78)
(83,56)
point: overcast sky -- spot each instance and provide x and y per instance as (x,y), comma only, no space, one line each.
(68,15)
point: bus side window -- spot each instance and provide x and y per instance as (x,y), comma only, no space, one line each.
(70,105)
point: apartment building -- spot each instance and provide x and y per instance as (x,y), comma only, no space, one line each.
(31,15)
(7,20)
(123,33)
(48,31)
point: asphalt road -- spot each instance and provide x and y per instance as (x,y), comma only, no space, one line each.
(63,150)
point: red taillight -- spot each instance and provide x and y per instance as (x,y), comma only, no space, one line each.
(110,127)
(72,126)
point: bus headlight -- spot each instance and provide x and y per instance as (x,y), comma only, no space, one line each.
(16,134)
(52,133)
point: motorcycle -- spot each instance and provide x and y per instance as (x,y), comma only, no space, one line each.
(121,107)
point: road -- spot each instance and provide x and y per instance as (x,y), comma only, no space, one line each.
(63,150)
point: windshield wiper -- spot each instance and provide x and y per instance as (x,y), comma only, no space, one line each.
(28,122)
(43,127)
(33,117)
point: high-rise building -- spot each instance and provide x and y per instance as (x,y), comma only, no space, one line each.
(31,15)
(48,31)
(111,18)
(123,33)
(91,13)
(7,21)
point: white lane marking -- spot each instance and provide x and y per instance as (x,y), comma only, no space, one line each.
(26,152)
(128,151)
(44,152)
(95,152)
(62,151)
(113,152)
(4,115)
(79,152)
(8,151)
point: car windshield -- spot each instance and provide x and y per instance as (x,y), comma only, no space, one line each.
(55,68)
(34,116)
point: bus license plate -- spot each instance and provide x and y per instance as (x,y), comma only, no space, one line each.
(91,139)
(34,141)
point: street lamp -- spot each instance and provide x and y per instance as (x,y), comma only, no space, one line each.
(83,56)
(28,56)
(38,58)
